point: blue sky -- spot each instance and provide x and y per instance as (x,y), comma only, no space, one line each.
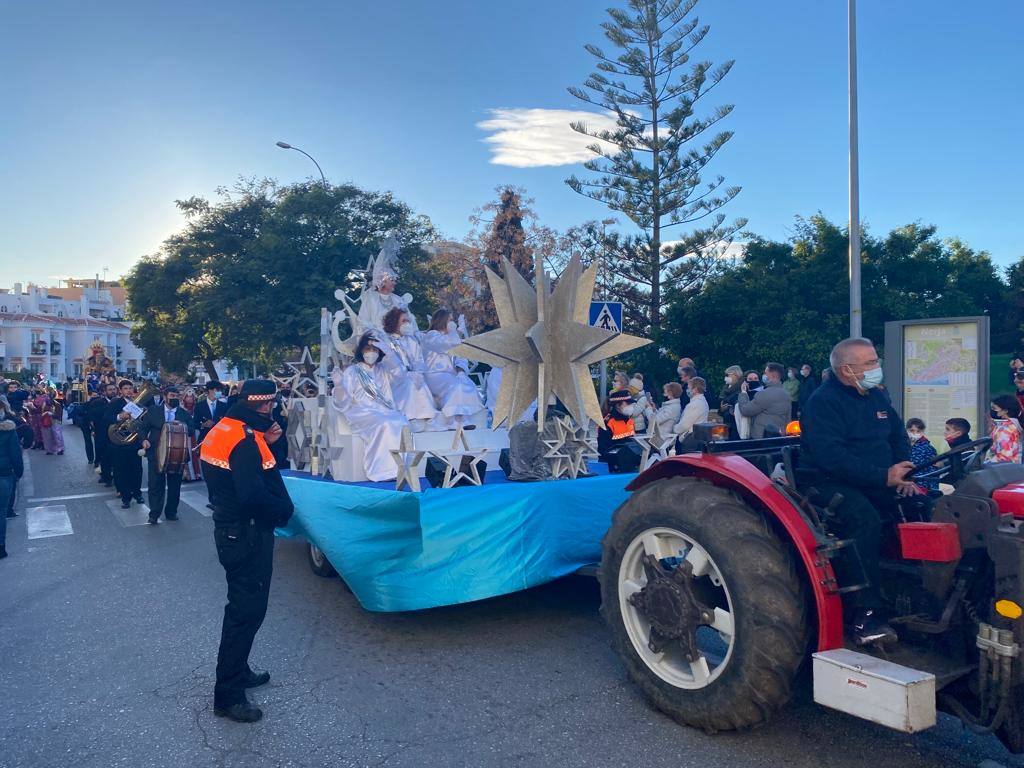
(112,110)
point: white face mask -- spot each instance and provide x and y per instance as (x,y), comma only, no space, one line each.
(914,436)
(407,329)
(370,356)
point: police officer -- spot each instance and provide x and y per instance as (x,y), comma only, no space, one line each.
(853,444)
(250,500)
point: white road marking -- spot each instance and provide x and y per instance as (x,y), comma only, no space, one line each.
(197,501)
(27,488)
(43,522)
(96,495)
(136,514)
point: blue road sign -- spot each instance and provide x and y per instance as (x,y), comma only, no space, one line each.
(607,315)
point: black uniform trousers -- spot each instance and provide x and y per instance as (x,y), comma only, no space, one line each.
(127,466)
(90,452)
(164,491)
(864,515)
(247,555)
(105,455)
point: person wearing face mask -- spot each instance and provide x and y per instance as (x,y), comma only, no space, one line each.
(669,413)
(728,397)
(405,365)
(250,501)
(792,386)
(210,409)
(619,429)
(1005,432)
(808,383)
(921,449)
(771,409)
(643,408)
(455,394)
(853,443)
(363,393)
(695,412)
(164,487)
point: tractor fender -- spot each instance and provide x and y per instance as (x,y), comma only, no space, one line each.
(739,475)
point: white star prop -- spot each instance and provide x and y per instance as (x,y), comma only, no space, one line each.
(453,461)
(304,372)
(545,345)
(656,444)
(408,459)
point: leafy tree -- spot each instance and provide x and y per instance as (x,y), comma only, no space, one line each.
(650,167)
(247,276)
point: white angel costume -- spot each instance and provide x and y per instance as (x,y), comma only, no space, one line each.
(373,304)
(364,395)
(454,392)
(405,366)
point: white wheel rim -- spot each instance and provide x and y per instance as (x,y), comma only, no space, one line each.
(317,556)
(671,664)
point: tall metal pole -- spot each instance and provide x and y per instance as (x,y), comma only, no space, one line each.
(855,307)
(286,145)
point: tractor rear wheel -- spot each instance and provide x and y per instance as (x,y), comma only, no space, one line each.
(318,562)
(704,604)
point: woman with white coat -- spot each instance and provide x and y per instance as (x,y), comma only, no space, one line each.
(455,394)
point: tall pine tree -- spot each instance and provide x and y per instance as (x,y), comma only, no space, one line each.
(649,168)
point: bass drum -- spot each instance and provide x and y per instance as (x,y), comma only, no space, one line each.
(172,450)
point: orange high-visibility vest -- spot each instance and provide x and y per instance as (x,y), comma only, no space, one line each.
(222,439)
(620,428)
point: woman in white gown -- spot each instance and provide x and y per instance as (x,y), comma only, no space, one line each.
(454,392)
(405,366)
(364,395)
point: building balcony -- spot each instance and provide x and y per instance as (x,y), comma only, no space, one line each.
(39,348)
(55,348)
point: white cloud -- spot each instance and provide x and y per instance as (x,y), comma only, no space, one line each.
(731,250)
(530,138)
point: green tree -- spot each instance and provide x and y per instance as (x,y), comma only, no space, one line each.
(246,278)
(650,167)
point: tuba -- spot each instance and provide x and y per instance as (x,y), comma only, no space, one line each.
(127,430)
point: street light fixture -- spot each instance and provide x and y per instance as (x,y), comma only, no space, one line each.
(286,145)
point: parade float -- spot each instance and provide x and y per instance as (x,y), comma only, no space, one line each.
(472,531)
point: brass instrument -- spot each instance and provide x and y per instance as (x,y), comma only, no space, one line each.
(127,430)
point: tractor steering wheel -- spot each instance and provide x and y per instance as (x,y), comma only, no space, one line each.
(953,469)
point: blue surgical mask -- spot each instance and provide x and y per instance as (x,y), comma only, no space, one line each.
(871,378)
(764,378)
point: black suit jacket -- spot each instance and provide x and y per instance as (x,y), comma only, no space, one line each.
(154,421)
(202,413)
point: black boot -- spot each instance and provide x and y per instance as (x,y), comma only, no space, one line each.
(3,554)
(869,628)
(254,678)
(243,712)
(126,502)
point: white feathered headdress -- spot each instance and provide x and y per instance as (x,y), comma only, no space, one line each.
(386,264)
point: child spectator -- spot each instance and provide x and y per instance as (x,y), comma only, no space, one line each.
(1006,431)
(921,449)
(957,432)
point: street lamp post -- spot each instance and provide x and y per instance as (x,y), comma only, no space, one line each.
(286,145)
(855,306)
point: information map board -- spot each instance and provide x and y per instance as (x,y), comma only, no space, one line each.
(937,369)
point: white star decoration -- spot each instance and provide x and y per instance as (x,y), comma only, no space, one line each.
(453,469)
(656,444)
(545,345)
(408,460)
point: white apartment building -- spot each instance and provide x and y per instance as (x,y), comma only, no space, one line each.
(50,330)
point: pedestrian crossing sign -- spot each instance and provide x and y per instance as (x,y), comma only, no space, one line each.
(606,315)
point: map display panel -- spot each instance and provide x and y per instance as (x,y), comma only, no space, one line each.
(941,376)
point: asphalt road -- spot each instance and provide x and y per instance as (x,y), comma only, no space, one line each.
(108,636)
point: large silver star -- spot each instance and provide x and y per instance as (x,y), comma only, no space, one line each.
(305,371)
(656,444)
(545,345)
(407,459)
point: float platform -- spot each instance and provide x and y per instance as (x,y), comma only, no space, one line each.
(404,551)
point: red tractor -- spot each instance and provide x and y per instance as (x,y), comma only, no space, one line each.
(721,577)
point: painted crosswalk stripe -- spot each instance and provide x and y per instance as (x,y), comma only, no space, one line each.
(43,522)
(197,501)
(136,514)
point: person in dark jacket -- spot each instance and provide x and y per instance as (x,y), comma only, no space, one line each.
(16,396)
(125,459)
(164,487)
(100,424)
(854,444)
(250,500)
(808,383)
(210,409)
(921,449)
(11,468)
